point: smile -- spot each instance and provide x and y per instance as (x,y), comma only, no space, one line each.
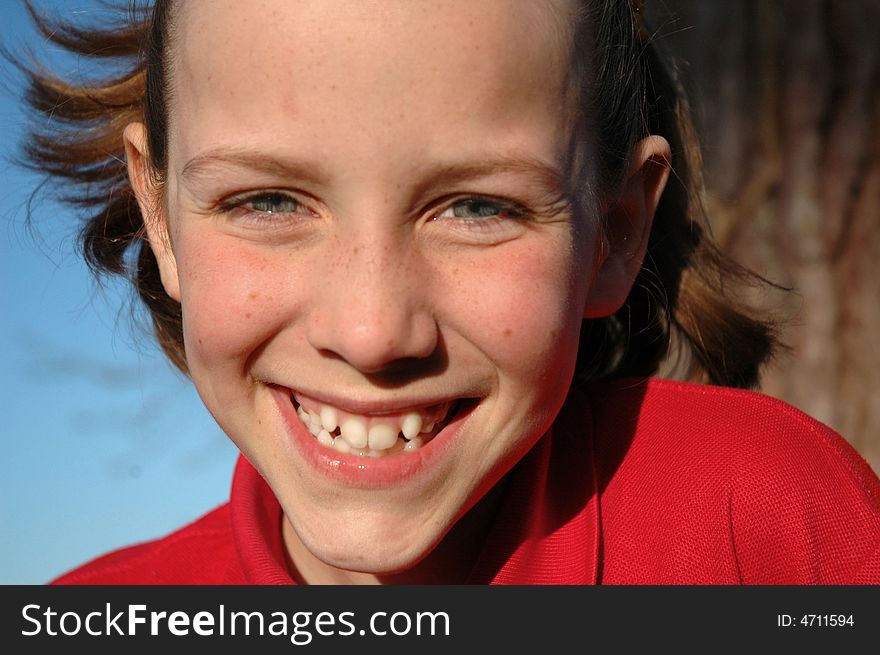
(372,435)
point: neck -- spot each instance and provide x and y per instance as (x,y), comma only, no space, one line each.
(449,562)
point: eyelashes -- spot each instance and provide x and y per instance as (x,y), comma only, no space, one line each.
(263,205)
(274,203)
(480,208)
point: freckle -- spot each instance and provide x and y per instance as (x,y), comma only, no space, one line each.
(507,332)
(253,295)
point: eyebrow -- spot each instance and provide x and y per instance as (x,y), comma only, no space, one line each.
(546,174)
(203,165)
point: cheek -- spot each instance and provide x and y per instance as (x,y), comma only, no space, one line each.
(231,294)
(523,305)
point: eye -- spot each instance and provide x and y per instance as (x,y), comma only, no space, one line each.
(266,210)
(482,220)
(475,209)
(268,203)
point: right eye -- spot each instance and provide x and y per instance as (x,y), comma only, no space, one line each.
(267,203)
(266,210)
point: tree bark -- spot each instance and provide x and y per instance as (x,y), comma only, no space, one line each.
(788,103)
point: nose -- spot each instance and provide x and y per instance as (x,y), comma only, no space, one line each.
(371,310)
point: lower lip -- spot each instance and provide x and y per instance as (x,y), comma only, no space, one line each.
(367,472)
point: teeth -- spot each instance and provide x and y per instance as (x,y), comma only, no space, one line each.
(382,436)
(370,435)
(354,432)
(412,425)
(328,418)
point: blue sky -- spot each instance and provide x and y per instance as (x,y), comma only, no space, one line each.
(103,443)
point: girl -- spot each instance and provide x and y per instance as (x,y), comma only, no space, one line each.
(420,262)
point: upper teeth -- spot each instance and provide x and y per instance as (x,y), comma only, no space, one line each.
(411,425)
(354,431)
(369,434)
(328,418)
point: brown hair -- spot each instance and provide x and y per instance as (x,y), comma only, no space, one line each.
(686,303)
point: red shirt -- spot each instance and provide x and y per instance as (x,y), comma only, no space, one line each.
(638,482)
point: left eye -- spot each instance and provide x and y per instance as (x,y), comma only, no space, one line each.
(476,208)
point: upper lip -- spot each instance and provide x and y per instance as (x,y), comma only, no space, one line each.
(396,405)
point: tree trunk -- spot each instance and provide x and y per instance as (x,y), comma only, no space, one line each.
(787,95)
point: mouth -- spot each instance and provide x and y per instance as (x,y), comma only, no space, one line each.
(377,435)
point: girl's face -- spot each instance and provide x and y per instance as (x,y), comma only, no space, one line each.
(368,224)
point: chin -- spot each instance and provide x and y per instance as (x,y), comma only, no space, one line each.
(381,563)
(381,546)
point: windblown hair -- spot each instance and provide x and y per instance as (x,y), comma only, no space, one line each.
(686,306)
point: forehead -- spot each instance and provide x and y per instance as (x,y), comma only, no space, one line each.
(311,66)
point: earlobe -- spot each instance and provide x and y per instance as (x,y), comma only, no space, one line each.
(627,227)
(152,209)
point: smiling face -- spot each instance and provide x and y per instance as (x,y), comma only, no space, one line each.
(367,206)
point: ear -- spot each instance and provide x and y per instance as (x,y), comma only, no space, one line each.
(628,226)
(151,206)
